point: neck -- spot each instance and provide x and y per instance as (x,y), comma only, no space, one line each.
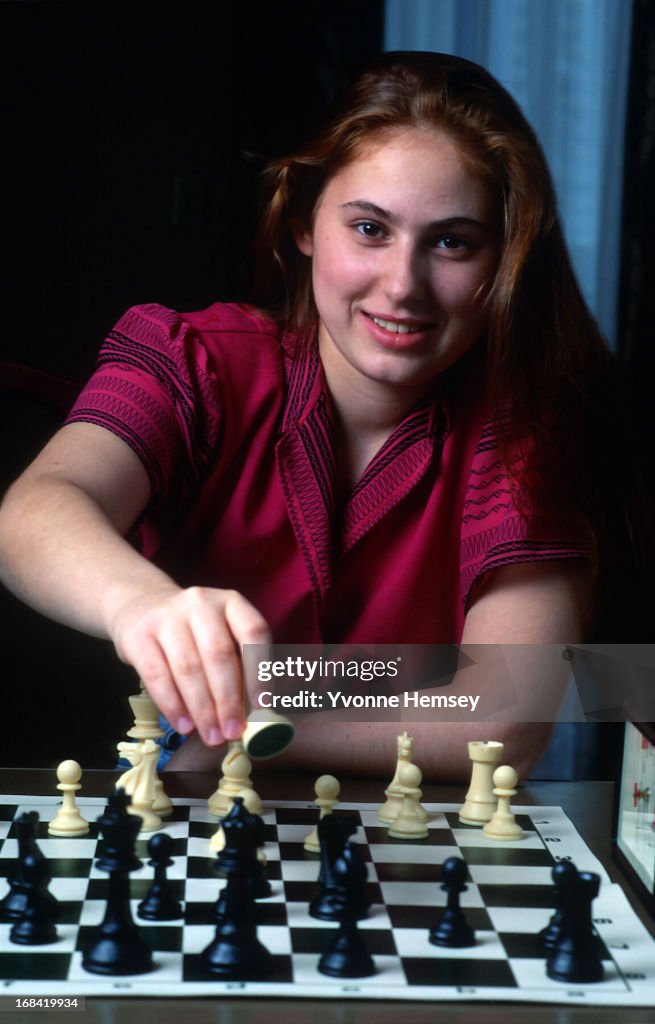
(365,407)
(366,412)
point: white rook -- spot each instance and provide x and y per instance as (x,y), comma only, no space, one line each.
(480,802)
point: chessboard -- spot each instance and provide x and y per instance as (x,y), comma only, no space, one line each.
(509,898)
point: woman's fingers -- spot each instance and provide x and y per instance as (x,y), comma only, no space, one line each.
(187,647)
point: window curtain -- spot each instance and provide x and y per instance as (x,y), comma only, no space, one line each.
(566,62)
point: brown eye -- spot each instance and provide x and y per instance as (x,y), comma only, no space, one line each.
(451,242)
(369,229)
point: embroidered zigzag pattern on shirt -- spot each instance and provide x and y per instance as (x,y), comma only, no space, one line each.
(142,342)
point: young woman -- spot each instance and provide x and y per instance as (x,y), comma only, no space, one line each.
(391,445)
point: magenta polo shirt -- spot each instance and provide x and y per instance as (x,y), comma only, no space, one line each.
(233,424)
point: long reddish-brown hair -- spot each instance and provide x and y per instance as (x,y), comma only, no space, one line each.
(548,368)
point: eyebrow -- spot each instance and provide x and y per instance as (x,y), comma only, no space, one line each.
(378,211)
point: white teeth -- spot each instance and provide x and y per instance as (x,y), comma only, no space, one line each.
(392,325)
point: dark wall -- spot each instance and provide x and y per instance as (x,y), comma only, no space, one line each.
(123,181)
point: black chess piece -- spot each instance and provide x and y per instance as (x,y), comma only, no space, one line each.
(453,930)
(234,852)
(333,832)
(576,958)
(160,903)
(13,905)
(117,946)
(563,873)
(235,953)
(347,955)
(36,926)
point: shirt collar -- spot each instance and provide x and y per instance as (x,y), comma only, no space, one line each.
(307,389)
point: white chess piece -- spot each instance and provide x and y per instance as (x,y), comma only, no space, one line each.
(235,767)
(503,825)
(139,781)
(480,803)
(394,802)
(327,789)
(409,824)
(146,727)
(144,793)
(68,820)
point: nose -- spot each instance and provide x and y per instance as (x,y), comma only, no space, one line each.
(404,273)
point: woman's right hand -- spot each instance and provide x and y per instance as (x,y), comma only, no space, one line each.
(186,645)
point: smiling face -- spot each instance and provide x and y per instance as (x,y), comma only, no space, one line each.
(404,246)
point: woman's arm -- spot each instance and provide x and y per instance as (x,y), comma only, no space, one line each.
(528,606)
(62,550)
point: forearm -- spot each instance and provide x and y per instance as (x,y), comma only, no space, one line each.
(60,553)
(440,749)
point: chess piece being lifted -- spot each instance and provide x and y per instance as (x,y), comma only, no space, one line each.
(266,734)
(480,802)
(68,820)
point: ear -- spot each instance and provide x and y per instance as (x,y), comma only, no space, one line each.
(304,239)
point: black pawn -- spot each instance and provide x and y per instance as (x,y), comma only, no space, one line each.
(576,958)
(12,906)
(160,903)
(563,874)
(453,930)
(117,946)
(36,927)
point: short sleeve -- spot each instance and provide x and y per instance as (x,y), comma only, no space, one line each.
(154,388)
(495,533)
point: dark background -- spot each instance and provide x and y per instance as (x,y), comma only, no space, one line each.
(133,137)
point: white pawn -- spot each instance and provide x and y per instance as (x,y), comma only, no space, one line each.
(68,821)
(410,824)
(327,789)
(503,824)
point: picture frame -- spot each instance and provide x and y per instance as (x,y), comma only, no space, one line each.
(634,811)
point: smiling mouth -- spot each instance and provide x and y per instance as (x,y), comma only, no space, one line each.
(400,326)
